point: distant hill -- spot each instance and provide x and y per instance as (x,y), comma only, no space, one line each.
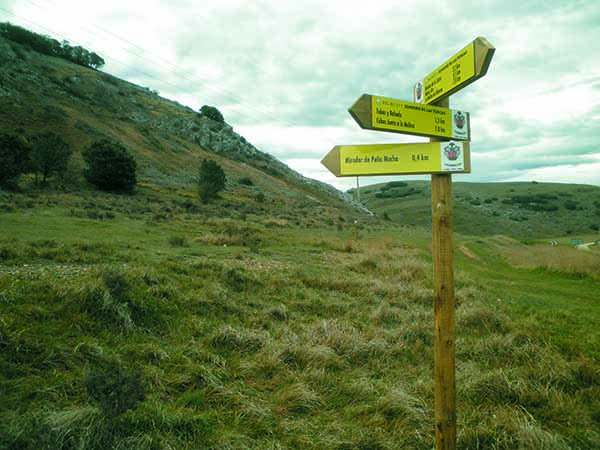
(46,93)
(523,210)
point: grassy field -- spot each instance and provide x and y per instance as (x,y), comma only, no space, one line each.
(525,210)
(135,332)
(278,316)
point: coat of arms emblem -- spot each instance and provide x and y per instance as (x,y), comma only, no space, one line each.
(418,91)
(459,119)
(452,151)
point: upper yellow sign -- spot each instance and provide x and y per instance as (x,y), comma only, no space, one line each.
(413,118)
(466,66)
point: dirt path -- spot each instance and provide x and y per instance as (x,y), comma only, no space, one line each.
(586,246)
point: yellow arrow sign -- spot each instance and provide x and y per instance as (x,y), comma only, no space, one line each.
(399,159)
(466,66)
(388,114)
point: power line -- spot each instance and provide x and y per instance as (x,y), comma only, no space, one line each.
(126,66)
(225,93)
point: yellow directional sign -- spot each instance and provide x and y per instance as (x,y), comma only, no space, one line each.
(466,66)
(388,114)
(399,159)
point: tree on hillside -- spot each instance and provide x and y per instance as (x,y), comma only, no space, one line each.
(49,154)
(212,113)
(14,159)
(211,180)
(110,166)
(49,46)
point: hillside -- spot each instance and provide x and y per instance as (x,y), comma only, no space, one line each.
(526,210)
(42,93)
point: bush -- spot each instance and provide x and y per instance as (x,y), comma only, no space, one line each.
(50,154)
(14,159)
(260,197)
(228,338)
(110,166)
(211,180)
(178,241)
(394,184)
(246,181)
(212,113)
(571,205)
(115,388)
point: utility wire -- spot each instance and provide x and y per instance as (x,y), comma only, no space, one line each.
(252,118)
(227,94)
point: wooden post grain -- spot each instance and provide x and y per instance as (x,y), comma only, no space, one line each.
(443,281)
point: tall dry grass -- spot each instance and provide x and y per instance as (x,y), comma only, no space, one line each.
(557,259)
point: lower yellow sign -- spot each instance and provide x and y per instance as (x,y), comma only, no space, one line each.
(399,159)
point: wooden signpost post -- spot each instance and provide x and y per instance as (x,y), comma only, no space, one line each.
(440,157)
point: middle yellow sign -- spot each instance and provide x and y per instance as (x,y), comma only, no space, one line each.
(388,114)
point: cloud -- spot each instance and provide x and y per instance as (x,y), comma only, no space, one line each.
(284,73)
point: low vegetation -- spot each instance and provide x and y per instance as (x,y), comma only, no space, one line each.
(276,317)
(113,336)
(520,210)
(561,259)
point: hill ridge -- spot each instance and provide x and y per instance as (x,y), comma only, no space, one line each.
(38,92)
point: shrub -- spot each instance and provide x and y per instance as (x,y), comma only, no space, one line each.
(110,166)
(571,205)
(228,338)
(14,159)
(211,180)
(246,181)
(115,388)
(387,192)
(595,227)
(279,312)
(72,176)
(260,197)
(237,280)
(386,216)
(178,241)
(298,399)
(394,184)
(50,154)
(212,113)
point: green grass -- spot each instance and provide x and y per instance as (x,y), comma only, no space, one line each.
(152,321)
(304,338)
(522,210)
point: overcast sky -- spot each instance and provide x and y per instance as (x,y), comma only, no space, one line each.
(285,72)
